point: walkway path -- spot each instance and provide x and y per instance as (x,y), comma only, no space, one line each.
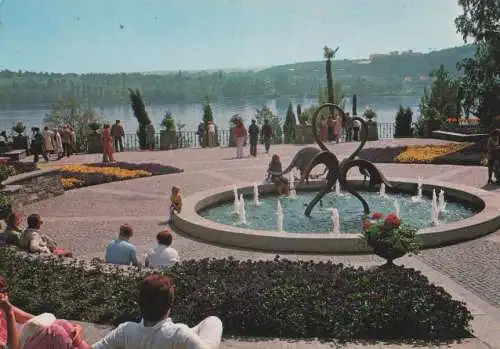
(85,220)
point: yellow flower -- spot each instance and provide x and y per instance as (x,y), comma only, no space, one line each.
(427,153)
(70,182)
(108,171)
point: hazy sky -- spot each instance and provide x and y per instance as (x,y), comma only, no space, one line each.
(85,35)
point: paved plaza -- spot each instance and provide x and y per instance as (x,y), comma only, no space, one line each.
(85,220)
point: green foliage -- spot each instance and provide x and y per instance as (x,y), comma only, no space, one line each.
(274,121)
(480,87)
(370,114)
(168,123)
(19,128)
(6,171)
(5,201)
(140,113)
(404,119)
(207,116)
(289,125)
(442,101)
(71,112)
(382,76)
(94,126)
(280,298)
(234,120)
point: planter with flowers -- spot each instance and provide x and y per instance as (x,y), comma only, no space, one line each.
(168,135)
(388,237)
(94,139)
(371,124)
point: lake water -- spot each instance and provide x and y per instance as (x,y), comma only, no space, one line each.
(191,114)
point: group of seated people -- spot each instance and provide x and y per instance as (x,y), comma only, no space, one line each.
(21,330)
(30,239)
(119,251)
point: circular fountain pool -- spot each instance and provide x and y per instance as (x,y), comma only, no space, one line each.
(263,217)
(207,216)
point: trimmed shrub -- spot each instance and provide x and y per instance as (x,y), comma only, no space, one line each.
(277,298)
(404,119)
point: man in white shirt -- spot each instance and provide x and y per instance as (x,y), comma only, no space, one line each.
(163,255)
(156,330)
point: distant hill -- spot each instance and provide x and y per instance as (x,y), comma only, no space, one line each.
(395,74)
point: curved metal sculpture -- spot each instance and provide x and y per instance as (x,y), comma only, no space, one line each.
(339,170)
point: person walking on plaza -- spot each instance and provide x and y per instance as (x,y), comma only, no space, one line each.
(337,129)
(201,134)
(212,135)
(150,136)
(66,141)
(240,134)
(59,150)
(48,143)
(356,126)
(253,132)
(348,127)
(107,140)
(266,133)
(118,133)
(36,146)
(330,123)
(156,329)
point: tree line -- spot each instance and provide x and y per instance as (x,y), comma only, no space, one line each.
(383,75)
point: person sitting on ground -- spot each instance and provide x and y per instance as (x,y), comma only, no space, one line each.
(157,330)
(13,231)
(275,175)
(175,203)
(11,318)
(47,332)
(163,255)
(35,242)
(121,251)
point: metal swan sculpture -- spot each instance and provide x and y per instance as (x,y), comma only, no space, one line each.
(339,170)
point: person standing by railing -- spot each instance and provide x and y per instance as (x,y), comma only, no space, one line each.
(66,141)
(201,134)
(118,133)
(211,134)
(107,155)
(240,134)
(266,133)
(348,127)
(253,132)
(150,136)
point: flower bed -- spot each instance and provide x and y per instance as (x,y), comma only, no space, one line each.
(77,176)
(466,154)
(277,298)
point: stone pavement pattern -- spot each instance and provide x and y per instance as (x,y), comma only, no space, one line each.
(85,220)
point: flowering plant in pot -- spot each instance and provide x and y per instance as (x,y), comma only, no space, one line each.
(19,128)
(370,114)
(388,237)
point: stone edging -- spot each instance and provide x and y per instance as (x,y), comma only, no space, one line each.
(189,222)
(30,187)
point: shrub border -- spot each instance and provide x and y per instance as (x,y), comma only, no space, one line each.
(189,222)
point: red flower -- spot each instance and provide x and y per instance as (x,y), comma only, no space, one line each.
(377,215)
(392,221)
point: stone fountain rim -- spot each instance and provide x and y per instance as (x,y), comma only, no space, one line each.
(190,223)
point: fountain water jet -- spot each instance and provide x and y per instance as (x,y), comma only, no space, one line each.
(434,209)
(293,192)
(337,188)
(280,216)
(420,183)
(397,208)
(382,190)
(256,194)
(335,221)
(243,212)
(441,201)
(236,206)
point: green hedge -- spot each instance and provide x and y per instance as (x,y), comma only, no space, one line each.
(277,298)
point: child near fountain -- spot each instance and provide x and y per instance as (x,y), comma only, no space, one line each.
(275,173)
(175,202)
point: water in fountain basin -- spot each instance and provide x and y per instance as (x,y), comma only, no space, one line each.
(265,216)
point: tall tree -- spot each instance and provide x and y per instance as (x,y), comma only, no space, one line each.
(140,113)
(207,116)
(329,54)
(480,86)
(289,124)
